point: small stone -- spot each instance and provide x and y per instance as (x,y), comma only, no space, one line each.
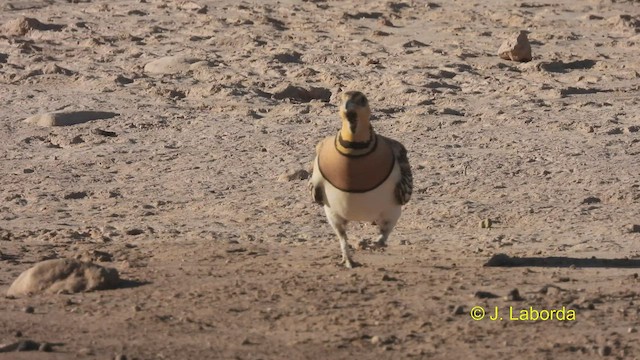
(23,25)
(632,129)
(516,48)
(122,80)
(486,224)
(514,295)
(604,350)
(45,347)
(632,330)
(485,295)
(104,133)
(18,333)
(634,228)
(384,21)
(169,65)
(458,310)
(134,232)
(450,111)
(591,200)
(77,140)
(376,340)
(120,357)
(27,345)
(76,195)
(28,309)
(294,174)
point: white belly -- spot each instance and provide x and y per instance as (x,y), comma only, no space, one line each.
(368,206)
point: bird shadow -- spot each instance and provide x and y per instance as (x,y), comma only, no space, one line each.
(504,260)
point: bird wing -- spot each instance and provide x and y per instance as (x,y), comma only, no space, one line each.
(404,187)
(315,183)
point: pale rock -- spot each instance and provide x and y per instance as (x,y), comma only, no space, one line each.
(63,275)
(516,48)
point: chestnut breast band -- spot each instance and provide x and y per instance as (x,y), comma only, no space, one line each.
(356,173)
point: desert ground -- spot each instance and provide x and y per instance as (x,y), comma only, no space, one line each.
(185,168)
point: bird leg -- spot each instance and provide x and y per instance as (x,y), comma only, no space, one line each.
(344,246)
(381,242)
(339,224)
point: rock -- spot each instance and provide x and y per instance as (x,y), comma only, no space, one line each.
(22,345)
(195,7)
(122,80)
(67,118)
(591,200)
(121,356)
(299,93)
(134,232)
(485,295)
(170,65)
(626,22)
(28,309)
(23,25)
(516,48)
(55,69)
(288,57)
(413,43)
(63,275)
(104,133)
(501,260)
(376,340)
(450,111)
(45,347)
(486,224)
(632,129)
(514,295)
(458,310)
(293,174)
(634,228)
(76,195)
(604,350)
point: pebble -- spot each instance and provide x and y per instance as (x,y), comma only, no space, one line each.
(591,200)
(170,65)
(604,350)
(134,231)
(485,295)
(28,309)
(516,48)
(294,174)
(376,340)
(45,347)
(514,295)
(120,357)
(634,228)
(458,310)
(486,224)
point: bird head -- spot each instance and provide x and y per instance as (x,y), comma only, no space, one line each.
(355,114)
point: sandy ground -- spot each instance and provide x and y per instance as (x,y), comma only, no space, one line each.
(194,186)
